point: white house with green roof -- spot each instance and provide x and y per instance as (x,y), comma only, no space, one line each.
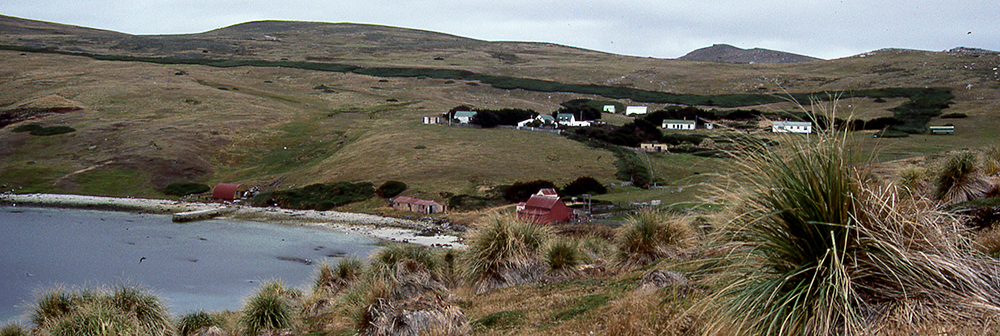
(684,125)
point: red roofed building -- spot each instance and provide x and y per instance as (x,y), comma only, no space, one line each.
(226,191)
(544,207)
(404,203)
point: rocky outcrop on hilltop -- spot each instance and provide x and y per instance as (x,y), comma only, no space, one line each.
(729,54)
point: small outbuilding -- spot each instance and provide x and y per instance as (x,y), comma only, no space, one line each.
(610,109)
(629,110)
(942,130)
(654,148)
(227,191)
(433,120)
(405,203)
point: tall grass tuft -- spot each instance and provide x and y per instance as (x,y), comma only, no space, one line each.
(563,256)
(191,323)
(12,329)
(504,251)
(651,235)
(332,279)
(384,261)
(825,250)
(267,310)
(992,158)
(125,310)
(960,180)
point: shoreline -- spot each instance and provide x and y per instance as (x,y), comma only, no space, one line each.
(385,228)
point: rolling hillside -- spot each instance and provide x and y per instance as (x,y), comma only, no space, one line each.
(151,110)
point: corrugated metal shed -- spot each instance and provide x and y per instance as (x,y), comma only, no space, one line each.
(225,191)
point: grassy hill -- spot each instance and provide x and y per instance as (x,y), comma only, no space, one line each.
(152,110)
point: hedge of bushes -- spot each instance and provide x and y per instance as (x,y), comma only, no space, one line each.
(317,196)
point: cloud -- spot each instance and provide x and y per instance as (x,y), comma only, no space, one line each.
(666,29)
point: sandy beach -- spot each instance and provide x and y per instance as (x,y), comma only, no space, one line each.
(387,228)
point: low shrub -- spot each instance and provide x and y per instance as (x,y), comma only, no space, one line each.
(26,128)
(584,185)
(521,191)
(956,115)
(53,130)
(891,133)
(185,188)
(309,197)
(465,202)
(390,189)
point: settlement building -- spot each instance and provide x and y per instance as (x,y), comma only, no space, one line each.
(464,117)
(610,109)
(544,207)
(433,120)
(568,119)
(685,125)
(791,127)
(942,130)
(654,148)
(636,110)
(404,203)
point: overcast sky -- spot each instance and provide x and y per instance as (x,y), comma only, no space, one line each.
(658,28)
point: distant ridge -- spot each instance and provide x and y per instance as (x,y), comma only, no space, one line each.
(725,53)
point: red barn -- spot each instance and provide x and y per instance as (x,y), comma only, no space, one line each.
(544,208)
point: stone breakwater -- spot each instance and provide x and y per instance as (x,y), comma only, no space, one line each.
(387,228)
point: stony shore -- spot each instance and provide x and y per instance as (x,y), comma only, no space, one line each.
(387,228)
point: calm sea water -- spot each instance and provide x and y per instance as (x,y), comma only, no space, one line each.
(207,265)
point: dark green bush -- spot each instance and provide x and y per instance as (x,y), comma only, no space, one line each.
(584,185)
(521,191)
(185,188)
(309,197)
(956,115)
(891,133)
(26,128)
(390,189)
(43,131)
(470,202)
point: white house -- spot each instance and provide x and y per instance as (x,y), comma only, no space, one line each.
(568,119)
(636,110)
(433,120)
(792,127)
(545,119)
(464,117)
(686,125)
(610,109)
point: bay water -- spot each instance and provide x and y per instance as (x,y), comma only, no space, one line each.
(208,265)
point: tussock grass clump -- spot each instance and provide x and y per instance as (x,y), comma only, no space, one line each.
(563,256)
(125,310)
(912,181)
(332,279)
(191,323)
(12,329)
(384,262)
(267,310)
(825,250)
(652,235)
(504,251)
(992,158)
(960,180)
